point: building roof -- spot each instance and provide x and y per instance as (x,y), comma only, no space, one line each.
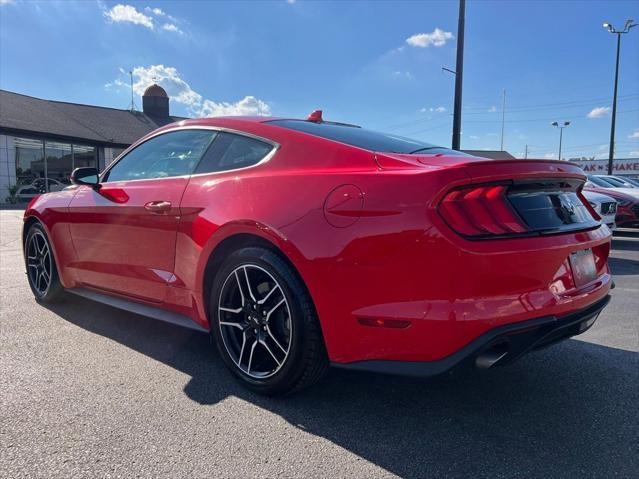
(492,154)
(74,121)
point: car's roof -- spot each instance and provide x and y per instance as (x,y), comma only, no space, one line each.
(228,119)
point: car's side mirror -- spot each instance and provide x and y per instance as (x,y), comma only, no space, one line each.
(86,176)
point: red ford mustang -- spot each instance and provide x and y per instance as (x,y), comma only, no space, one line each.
(303,243)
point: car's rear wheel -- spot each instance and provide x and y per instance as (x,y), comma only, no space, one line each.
(41,268)
(264,323)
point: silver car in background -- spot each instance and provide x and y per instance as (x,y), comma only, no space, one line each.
(604,205)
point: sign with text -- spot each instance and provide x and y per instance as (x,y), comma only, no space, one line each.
(628,166)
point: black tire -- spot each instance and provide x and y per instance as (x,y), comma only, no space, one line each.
(39,268)
(306,360)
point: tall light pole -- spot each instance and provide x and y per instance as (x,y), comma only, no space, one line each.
(626,28)
(561,133)
(503,118)
(459,75)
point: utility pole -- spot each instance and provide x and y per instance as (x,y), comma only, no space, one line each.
(526,152)
(459,75)
(503,116)
(611,152)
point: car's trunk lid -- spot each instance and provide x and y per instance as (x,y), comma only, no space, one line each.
(545,194)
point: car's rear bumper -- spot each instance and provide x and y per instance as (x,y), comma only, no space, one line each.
(499,346)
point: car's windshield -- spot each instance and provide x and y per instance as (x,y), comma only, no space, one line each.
(614,181)
(623,181)
(362,138)
(632,181)
(600,182)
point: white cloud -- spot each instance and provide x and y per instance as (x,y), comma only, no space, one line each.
(439,109)
(436,38)
(158,12)
(634,134)
(473,137)
(155,11)
(598,112)
(180,91)
(492,109)
(634,153)
(6,2)
(291,2)
(402,74)
(249,105)
(171,27)
(550,156)
(128,14)
(118,83)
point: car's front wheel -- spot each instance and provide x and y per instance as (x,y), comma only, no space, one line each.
(264,323)
(41,268)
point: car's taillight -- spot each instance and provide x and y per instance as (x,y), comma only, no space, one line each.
(480,211)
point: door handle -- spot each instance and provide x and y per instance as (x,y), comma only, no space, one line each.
(158,206)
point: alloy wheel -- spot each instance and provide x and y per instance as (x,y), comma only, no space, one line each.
(255,321)
(39,264)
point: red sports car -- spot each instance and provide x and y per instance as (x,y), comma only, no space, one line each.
(303,243)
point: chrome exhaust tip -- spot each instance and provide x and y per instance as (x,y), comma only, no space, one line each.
(491,356)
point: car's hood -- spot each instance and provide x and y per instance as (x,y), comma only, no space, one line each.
(616,193)
(634,192)
(598,197)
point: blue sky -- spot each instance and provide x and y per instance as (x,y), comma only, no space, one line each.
(377,64)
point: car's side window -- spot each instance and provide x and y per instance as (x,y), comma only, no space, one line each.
(171,154)
(230,152)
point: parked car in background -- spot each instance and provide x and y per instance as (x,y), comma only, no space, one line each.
(601,182)
(627,205)
(37,187)
(302,243)
(632,182)
(604,205)
(617,181)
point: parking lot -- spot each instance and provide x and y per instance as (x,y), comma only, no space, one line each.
(88,390)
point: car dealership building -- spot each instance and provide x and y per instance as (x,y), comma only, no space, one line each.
(42,141)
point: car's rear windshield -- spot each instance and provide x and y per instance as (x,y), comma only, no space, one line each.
(362,138)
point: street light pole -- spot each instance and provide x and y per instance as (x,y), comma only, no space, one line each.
(561,133)
(459,74)
(503,118)
(611,152)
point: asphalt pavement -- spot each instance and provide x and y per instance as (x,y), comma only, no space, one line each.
(90,391)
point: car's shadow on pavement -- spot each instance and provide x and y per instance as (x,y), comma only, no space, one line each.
(623,266)
(569,411)
(625,243)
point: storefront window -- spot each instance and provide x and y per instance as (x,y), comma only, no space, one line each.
(84,156)
(59,164)
(117,152)
(43,165)
(29,156)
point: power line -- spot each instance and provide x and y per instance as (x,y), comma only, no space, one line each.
(534,119)
(553,105)
(547,106)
